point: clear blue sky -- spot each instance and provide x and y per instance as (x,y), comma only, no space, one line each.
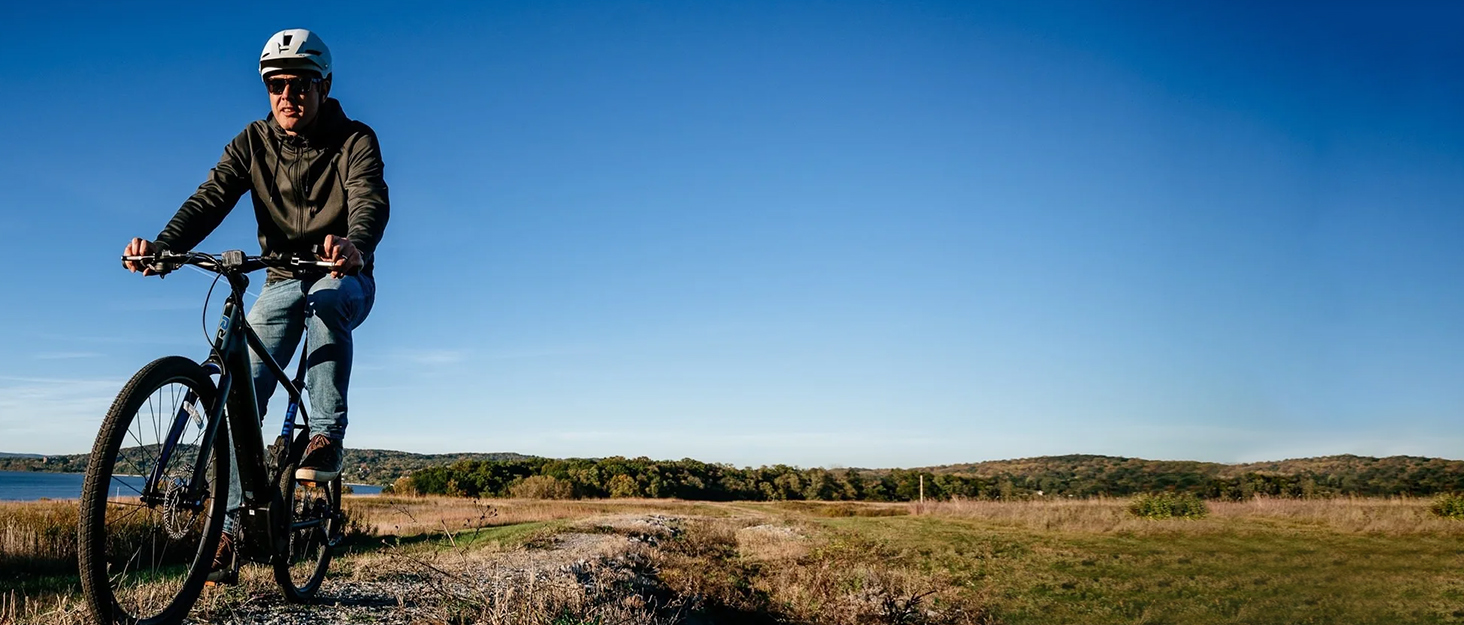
(819,233)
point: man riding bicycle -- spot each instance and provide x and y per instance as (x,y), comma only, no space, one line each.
(315,177)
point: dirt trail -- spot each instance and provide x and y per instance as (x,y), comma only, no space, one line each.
(599,568)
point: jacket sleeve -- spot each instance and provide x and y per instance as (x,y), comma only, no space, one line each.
(213,200)
(367,203)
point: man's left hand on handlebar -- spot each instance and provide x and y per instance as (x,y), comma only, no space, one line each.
(344,254)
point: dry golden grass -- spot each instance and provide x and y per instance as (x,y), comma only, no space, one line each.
(776,572)
(410,516)
(1396,516)
(38,536)
(68,609)
(772,542)
(594,578)
(16,607)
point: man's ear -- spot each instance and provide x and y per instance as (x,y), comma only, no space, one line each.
(325,87)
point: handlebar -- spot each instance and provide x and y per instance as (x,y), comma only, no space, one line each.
(232,261)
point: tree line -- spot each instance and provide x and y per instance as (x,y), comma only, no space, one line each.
(695,480)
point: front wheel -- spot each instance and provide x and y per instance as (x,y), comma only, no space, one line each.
(145,549)
(314,523)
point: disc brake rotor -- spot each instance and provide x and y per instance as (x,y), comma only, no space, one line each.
(177,518)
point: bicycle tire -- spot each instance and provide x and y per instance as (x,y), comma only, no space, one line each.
(302,567)
(113,534)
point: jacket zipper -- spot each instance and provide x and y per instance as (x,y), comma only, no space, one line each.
(299,196)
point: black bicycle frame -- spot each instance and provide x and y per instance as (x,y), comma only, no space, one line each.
(235,390)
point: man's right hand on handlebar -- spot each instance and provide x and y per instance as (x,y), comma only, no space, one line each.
(139,247)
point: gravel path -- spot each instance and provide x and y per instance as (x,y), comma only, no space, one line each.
(601,569)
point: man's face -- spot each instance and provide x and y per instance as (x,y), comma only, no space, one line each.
(295,98)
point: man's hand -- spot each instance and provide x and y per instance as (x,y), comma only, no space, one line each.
(344,254)
(139,247)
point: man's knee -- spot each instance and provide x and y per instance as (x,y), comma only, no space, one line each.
(335,301)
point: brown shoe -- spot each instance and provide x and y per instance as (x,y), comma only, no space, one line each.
(222,571)
(322,460)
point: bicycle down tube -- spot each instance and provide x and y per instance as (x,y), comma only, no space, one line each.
(232,344)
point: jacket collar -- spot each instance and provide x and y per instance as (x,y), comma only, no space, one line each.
(327,123)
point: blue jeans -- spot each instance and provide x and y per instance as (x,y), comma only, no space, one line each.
(336,306)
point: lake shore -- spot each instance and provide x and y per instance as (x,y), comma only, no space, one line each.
(38,486)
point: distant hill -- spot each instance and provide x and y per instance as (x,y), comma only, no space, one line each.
(361,466)
(1080,474)
(384,466)
(1054,476)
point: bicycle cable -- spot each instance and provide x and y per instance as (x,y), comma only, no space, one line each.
(203,320)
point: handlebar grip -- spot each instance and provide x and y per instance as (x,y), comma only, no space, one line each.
(159,264)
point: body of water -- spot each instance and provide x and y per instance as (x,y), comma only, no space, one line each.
(31,485)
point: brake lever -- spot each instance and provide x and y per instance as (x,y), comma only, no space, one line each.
(160,267)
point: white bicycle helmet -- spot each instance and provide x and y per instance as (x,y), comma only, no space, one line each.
(295,49)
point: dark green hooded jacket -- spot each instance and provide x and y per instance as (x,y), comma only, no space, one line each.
(325,180)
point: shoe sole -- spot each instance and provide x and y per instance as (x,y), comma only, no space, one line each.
(313,475)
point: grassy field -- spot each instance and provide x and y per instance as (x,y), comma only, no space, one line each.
(1065,561)
(1320,561)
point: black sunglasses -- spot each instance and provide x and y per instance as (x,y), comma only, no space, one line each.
(298,84)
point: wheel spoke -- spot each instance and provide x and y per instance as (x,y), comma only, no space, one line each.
(142,449)
(135,510)
(129,486)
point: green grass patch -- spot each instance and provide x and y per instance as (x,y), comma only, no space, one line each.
(843,509)
(1248,573)
(526,534)
(1168,506)
(26,584)
(1449,506)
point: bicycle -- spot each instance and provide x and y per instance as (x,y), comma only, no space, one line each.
(152,512)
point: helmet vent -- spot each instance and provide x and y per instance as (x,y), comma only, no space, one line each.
(287,39)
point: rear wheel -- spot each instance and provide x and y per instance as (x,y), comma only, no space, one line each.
(144,551)
(314,522)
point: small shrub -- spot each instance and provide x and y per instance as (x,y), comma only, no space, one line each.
(1448,505)
(623,486)
(1168,505)
(542,487)
(402,486)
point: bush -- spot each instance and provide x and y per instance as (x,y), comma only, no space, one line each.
(1449,506)
(542,487)
(1168,505)
(623,486)
(402,486)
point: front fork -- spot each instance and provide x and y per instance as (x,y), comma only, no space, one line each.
(154,491)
